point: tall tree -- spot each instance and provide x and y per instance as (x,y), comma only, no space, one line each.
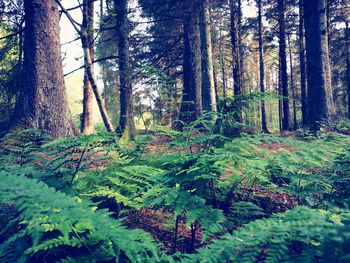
(42,102)
(262,67)
(88,62)
(208,88)
(292,86)
(87,122)
(236,46)
(191,106)
(283,64)
(126,123)
(302,63)
(347,52)
(320,96)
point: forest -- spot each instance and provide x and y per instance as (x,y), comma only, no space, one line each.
(174,131)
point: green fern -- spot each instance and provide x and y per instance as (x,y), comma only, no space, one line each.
(52,221)
(275,239)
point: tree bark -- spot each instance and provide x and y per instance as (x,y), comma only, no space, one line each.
(222,64)
(292,87)
(191,106)
(126,122)
(283,66)
(235,28)
(302,63)
(347,45)
(208,87)
(320,96)
(262,69)
(87,122)
(42,102)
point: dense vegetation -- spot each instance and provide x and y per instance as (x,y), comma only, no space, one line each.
(212,131)
(263,198)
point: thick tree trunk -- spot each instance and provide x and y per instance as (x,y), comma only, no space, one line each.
(236,17)
(42,102)
(302,63)
(283,64)
(320,97)
(262,69)
(126,123)
(191,106)
(208,88)
(87,122)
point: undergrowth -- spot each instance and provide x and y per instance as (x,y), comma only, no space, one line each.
(256,198)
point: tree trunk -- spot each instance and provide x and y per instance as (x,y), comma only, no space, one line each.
(126,123)
(191,106)
(347,46)
(87,122)
(262,69)
(105,85)
(88,62)
(42,102)
(292,87)
(88,69)
(283,67)
(208,88)
(320,97)
(302,63)
(236,17)
(222,64)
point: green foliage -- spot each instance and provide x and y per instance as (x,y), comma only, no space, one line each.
(185,205)
(204,184)
(50,221)
(120,182)
(19,151)
(294,236)
(34,154)
(10,66)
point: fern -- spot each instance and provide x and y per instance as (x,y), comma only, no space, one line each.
(185,205)
(52,221)
(273,239)
(123,183)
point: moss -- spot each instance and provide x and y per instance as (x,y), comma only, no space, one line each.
(126,137)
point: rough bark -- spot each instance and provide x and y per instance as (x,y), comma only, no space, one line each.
(208,88)
(320,96)
(87,122)
(191,106)
(236,46)
(283,64)
(42,102)
(126,122)
(262,68)
(302,63)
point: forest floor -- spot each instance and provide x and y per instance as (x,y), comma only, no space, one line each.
(186,190)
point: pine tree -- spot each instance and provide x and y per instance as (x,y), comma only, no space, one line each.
(320,97)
